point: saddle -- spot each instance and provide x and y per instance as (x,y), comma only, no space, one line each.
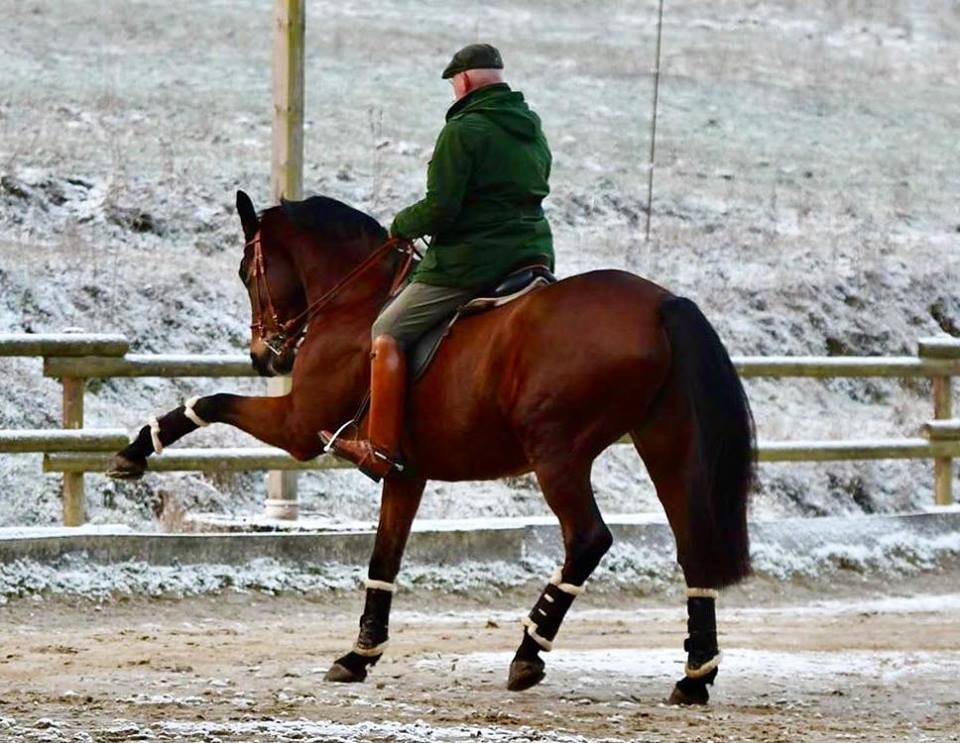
(517,283)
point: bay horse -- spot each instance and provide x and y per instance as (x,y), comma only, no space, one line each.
(542,384)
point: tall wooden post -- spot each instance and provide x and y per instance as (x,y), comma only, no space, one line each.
(288,42)
(74,496)
(286,177)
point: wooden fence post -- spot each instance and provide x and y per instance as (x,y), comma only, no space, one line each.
(286,176)
(942,349)
(74,497)
(942,466)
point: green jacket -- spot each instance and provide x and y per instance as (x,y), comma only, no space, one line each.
(485,182)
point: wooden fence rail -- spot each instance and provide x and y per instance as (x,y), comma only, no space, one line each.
(185,365)
(198,460)
(266,458)
(75,450)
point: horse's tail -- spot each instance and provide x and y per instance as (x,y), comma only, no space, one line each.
(723,466)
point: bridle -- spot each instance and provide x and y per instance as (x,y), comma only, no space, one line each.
(281,335)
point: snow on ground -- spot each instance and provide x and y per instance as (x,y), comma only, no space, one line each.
(48,730)
(663,663)
(39,532)
(810,610)
(805,197)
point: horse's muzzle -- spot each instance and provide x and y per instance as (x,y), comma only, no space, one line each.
(266,364)
(262,364)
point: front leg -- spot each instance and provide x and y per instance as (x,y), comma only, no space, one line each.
(269,419)
(398,506)
(586,538)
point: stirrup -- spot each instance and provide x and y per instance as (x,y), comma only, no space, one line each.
(328,445)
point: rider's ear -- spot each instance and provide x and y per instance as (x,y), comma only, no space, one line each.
(248,215)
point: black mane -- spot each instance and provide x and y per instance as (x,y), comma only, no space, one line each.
(331,219)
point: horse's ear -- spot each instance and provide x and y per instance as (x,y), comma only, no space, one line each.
(248,215)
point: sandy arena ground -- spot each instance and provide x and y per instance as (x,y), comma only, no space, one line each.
(860,666)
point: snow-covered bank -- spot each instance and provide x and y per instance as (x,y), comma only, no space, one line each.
(641,561)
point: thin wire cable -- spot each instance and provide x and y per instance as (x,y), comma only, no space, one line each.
(653,123)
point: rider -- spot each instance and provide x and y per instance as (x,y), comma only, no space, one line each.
(485,182)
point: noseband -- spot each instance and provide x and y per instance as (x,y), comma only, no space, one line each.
(280,336)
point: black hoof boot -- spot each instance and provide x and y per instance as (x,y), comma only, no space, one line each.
(525,673)
(688,691)
(350,669)
(123,468)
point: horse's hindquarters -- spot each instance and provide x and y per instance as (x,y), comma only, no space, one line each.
(567,370)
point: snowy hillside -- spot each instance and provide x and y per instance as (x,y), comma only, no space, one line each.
(806,192)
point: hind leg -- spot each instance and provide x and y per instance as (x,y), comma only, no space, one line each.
(666,459)
(703,653)
(586,538)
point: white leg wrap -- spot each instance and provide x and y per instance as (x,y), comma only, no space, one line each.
(532,631)
(557,578)
(371,652)
(191,414)
(714,662)
(703,593)
(380,585)
(155,435)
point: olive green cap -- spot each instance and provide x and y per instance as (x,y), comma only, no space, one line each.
(474,57)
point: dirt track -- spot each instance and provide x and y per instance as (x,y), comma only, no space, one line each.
(244,667)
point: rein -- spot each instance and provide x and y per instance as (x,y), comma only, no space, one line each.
(289,332)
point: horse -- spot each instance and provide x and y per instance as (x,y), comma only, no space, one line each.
(542,384)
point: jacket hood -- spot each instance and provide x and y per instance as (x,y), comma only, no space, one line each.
(504,107)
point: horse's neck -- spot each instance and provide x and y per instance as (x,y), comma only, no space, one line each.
(320,269)
(332,372)
(337,347)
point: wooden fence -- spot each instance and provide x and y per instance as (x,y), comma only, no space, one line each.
(74,450)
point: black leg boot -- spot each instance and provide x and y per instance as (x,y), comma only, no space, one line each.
(703,653)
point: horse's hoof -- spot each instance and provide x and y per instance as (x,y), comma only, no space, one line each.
(339,674)
(688,691)
(126,469)
(525,673)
